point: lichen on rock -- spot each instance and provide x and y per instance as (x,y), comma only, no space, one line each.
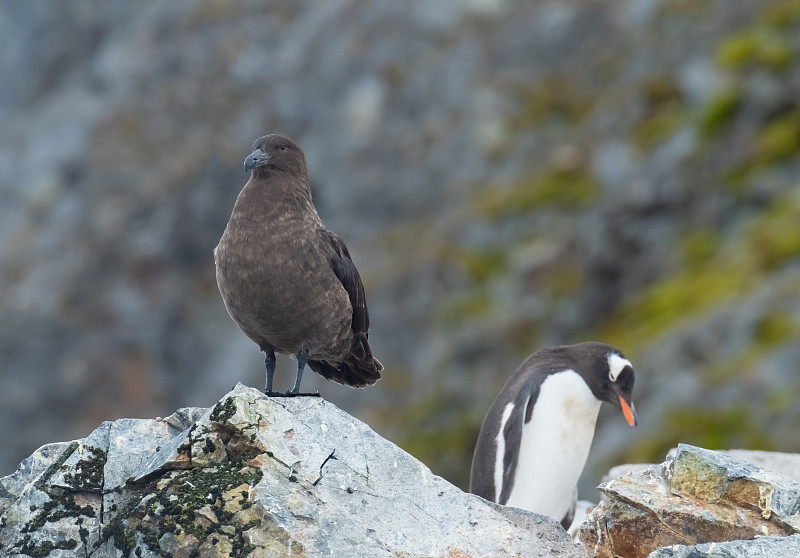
(255,476)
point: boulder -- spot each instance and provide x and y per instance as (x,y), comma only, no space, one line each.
(761,547)
(787,464)
(697,496)
(252,476)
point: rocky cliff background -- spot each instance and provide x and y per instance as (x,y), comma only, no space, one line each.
(507,175)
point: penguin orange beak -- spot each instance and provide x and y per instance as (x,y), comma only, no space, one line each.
(629,411)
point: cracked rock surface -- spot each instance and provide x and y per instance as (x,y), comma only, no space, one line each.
(252,476)
(697,496)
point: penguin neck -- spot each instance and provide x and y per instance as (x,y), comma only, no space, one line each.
(554,446)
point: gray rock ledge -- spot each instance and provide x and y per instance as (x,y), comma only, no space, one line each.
(252,476)
(761,547)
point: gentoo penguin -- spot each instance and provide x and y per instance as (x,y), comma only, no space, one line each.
(536,436)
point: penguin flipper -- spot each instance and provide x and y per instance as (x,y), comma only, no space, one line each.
(512,433)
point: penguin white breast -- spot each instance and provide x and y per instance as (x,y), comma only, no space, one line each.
(555,444)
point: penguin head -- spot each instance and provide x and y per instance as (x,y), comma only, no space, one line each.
(610,377)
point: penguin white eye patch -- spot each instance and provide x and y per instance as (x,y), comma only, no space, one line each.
(616,364)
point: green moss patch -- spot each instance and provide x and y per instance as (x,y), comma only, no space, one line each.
(699,246)
(712,272)
(223,410)
(782,14)
(44,548)
(481,265)
(778,140)
(659,126)
(88,472)
(774,329)
(56,510)
(672,301)
(773,237)
(719,111)
(664,111)
(552,98)
(566,188)
(471,304)
(194,506)
(756,46)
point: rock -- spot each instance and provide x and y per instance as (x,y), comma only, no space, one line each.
(713,477)
(697,496)
(626,469)
(787,464)
(582,509)
(761,547)
(252,476)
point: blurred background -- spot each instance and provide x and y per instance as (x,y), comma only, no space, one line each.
(507,175)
